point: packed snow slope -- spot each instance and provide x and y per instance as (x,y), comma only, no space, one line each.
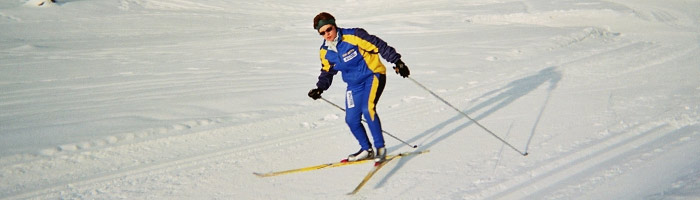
(185,99)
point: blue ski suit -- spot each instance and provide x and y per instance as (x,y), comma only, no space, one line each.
(356,56)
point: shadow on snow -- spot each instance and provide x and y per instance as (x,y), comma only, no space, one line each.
(503,97)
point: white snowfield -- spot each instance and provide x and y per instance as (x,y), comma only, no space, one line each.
(185,99)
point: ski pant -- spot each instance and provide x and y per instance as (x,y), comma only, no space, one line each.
(361,100)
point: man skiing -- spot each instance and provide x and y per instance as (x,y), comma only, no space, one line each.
(355,53)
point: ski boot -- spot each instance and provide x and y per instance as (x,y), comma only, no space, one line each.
(361,155)
(381,155)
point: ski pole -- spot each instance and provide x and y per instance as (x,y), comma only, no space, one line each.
(467,116)
(383,131)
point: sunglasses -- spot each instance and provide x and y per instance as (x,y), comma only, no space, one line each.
(329,29)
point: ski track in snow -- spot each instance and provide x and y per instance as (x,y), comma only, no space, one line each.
(137,160)
(155,124)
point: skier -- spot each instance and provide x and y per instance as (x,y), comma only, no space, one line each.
(355,53)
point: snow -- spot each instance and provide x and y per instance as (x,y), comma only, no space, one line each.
(163,99)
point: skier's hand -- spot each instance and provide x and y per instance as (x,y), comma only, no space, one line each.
(315,93)
(401,69)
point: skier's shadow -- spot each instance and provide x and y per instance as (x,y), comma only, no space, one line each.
(503,97)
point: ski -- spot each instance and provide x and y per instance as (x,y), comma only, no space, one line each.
(324,166)
(310,168)
(379,165)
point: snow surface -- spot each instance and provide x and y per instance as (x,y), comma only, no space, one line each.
(185,99)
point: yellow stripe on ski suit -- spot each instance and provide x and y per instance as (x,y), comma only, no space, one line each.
(372,97)
(326,66)
(369,52)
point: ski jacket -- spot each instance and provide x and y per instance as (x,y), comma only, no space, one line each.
(356,55)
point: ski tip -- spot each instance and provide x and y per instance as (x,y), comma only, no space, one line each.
(260,174)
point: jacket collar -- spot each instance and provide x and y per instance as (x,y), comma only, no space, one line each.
(333,44)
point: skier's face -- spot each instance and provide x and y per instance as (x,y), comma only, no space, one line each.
(328,32)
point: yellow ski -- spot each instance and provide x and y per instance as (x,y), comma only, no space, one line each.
(323,166)
(310,168)
(378,166)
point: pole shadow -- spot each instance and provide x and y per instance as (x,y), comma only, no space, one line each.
(502,97)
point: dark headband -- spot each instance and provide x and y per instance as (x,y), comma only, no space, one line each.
(324,22)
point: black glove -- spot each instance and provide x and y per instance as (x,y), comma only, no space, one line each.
(315,93)
(401,69)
